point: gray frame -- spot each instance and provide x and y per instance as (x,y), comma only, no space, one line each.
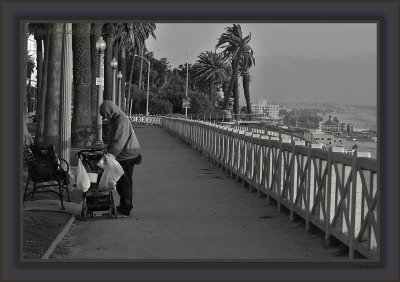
(386,11)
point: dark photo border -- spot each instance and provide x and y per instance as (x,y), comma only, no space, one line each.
(387,12)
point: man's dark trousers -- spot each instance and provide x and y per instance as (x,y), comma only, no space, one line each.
(125,186)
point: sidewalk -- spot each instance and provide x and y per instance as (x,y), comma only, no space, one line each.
(53,205)
(186,209)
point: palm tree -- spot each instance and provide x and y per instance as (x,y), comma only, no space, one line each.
(95,33)
(148,29)
(81,127)
(41,104)
(109,31)
(246,62)
(122,63)
(234,46)
(210,68)
(138,33)
(52,105)
(123,37)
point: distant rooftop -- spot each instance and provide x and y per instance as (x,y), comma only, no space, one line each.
(330,122)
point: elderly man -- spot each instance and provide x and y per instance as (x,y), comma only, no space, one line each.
(125,147)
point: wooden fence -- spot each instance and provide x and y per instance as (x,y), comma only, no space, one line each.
(336,192)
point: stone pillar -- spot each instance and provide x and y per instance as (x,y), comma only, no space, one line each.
(66,94)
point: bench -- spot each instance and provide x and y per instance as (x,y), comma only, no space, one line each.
(47,173)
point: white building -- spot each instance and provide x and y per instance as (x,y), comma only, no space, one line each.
(327,139)
(272,111)
(258,108)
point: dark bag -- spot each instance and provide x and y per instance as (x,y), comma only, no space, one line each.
(138,160)
(43,170)
(45,166)
(47,153)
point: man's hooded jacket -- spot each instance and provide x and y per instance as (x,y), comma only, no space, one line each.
(123,143)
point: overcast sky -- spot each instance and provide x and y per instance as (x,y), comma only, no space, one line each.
(311,43)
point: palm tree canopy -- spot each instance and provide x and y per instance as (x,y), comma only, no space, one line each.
(37,30)
(247,60)
(210,66)
(137,33)
(132,34)
(232,41)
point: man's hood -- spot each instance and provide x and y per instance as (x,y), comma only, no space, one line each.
(108,109)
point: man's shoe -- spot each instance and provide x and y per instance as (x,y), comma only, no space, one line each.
(123,215)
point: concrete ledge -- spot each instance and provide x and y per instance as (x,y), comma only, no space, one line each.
(53,205)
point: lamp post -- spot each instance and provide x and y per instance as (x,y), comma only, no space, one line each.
(148,83)
(100,46)
(114,65)
(119,76)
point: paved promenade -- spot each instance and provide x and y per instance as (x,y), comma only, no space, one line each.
(184,208)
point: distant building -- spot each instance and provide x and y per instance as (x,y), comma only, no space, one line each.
(272,111)
(349,128)
(258,108)
(327,139)
(262,108)
(331,126)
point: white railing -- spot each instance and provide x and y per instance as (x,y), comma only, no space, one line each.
(149,120)
(336,192)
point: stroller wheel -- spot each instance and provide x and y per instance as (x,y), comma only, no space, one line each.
(84,214)
(115,212)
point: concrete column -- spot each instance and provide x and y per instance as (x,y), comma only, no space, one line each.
(66,94)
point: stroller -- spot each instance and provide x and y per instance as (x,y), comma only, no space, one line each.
(95,202)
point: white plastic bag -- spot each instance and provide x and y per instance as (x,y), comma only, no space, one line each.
(112,172)
(82,178)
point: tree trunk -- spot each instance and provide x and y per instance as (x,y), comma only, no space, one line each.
(141,68)
(95,33)
(114,76)
(212,92)
(43,90)
(115,50)
(107,62)
(27,138)
(39,67)
(246,91)
(235,70)
(52,105)
(122,63)
(81,119)
(130,83)
(235,90)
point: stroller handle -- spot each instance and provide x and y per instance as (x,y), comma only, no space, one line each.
(92,150)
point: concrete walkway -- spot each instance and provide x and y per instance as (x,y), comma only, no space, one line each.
(186,209)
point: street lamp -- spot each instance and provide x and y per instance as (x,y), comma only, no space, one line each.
(148,83)
(100,46)
(119,76)
(114,65)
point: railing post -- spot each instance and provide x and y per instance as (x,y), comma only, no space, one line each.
(279,174)
(292,180)
(353,205)
(260,165)
(269,168)
(308,188)
(328,197)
